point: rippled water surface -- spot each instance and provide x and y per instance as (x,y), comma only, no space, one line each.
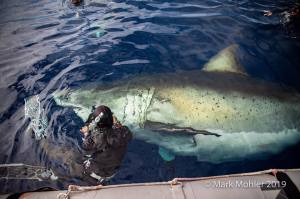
(49,45)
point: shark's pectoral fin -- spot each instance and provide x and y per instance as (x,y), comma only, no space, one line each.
(171,128)
(165,154)
(225,61)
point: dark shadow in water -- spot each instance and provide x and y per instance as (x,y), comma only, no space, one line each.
(143,164)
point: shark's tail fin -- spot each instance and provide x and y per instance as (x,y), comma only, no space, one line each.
(225,61)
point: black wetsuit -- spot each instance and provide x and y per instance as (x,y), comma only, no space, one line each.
(106,148)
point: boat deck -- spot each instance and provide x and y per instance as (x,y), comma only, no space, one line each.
(268,184)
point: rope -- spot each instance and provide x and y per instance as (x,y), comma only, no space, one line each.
(74,188)
(174,182)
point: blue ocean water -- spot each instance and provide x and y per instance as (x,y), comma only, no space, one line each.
(50,45)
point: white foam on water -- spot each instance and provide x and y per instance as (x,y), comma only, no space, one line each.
(38,120)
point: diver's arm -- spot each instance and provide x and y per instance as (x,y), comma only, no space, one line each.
(85,131)
(89,120)
(116,122)
(87,141)
(93,141)
(120,136)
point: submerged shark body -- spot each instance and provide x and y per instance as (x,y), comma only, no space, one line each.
(217,114)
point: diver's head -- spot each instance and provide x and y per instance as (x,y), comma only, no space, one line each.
(103,116)
(76,2)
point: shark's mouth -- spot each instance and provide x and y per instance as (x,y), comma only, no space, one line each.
(171,128)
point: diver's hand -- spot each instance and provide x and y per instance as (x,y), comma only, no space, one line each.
(116,122)
(84,130)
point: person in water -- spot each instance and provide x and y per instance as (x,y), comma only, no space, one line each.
(105,142)
(76,2)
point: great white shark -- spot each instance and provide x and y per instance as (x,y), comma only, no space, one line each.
(217,114)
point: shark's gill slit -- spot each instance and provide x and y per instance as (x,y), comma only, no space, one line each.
(125,107)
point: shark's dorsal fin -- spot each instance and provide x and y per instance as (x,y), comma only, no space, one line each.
(225,61)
